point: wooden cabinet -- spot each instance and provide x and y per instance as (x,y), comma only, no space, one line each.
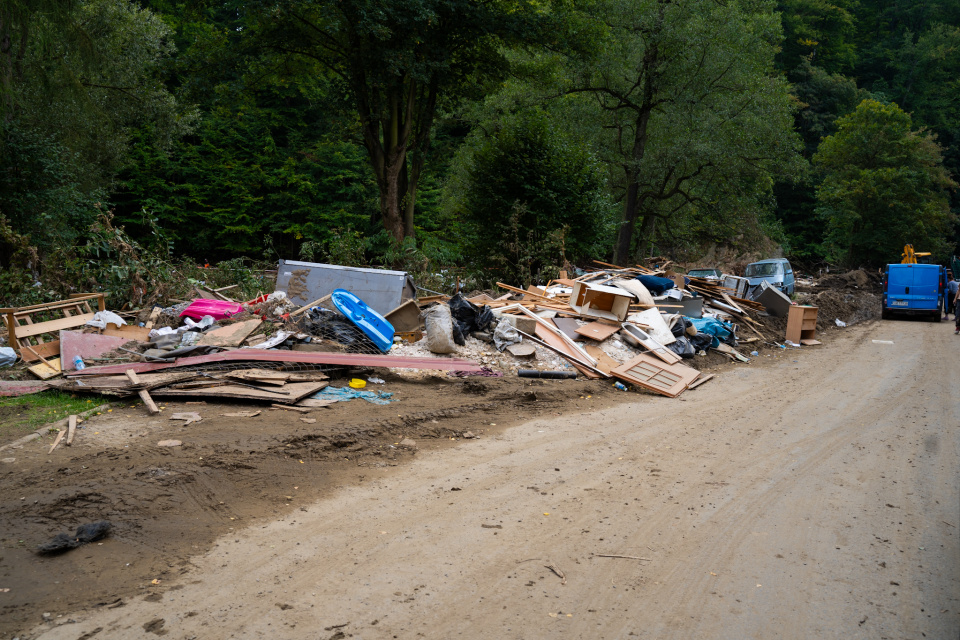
(802,324)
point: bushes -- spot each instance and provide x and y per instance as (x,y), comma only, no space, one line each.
(532,200)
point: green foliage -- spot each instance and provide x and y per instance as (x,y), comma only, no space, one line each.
(694,117)
(883,186)
(531,200)
(253,170)
(39,190)
(820,32)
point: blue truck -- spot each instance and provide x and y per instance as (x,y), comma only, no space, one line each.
(914,289)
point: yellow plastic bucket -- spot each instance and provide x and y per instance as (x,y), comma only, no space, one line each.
(357,383)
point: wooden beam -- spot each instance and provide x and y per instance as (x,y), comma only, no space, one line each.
(143,393)
(71,429)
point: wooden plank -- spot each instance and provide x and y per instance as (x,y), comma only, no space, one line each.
(553,342)
(143,393)
(666,379)
(52,325)
(527,295)
(605,362)
(231,335)
(71,429)
(52,306)
(699,381)
(60,435)
(46,371)
(152,320)
(127,331)
(567,326)
(295,391)
(599,331)
(289,408)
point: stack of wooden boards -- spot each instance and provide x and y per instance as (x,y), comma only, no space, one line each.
(282,387)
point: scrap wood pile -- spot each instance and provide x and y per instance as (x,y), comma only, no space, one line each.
(267,349)
(635,324)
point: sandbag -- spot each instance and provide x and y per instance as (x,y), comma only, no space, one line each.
(439,324)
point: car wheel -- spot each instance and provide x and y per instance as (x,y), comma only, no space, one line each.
(884,313)
(938,317)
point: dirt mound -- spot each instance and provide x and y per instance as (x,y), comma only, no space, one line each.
(849,306)
(858,279)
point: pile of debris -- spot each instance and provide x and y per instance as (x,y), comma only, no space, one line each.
(266,349)
(635,324)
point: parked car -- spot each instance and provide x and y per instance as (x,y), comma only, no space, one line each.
(775,271)
(709,274)
(913,289)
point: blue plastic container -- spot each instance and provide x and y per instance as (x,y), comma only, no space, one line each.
(374,325)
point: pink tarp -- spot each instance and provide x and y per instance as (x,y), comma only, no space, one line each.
(343,359)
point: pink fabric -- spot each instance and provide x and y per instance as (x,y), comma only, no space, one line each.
(219,309)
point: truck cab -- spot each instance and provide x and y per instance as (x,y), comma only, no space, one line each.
(913,289)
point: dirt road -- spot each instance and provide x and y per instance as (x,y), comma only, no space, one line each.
(814,497)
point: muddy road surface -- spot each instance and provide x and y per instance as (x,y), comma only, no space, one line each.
(810,496)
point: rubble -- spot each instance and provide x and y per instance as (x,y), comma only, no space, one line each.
(594,325)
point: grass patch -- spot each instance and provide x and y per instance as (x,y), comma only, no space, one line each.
(24,414)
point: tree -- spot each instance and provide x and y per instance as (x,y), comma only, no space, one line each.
(531,198)
(697,116)
(884,185)
(398,60)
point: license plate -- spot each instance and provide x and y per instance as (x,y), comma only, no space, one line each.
(899,303)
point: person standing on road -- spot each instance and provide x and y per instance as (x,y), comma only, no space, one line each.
(950,295)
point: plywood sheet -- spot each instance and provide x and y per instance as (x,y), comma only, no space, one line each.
(127,332)
(553,339)
(44,371)
(231,335)
(295,392)
(666,379)
(85,345)
(568,326)
(598,331)
(605,362)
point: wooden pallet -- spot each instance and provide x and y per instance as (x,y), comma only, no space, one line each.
(34,331)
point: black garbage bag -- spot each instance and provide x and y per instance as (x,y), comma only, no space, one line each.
(468,317)
(682,347)
(701,341)
(680,327)
(90,532)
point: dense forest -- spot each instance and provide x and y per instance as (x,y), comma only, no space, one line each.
(500,139)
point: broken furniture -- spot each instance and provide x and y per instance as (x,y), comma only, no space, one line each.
(802,325)
(666,379)
(773,300)
(30,329)
(305,283)
(599,301)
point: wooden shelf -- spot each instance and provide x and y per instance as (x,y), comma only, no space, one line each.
(801,323)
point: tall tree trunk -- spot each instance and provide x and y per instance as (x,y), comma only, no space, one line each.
(621,253)
(6,67)
(632,201)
